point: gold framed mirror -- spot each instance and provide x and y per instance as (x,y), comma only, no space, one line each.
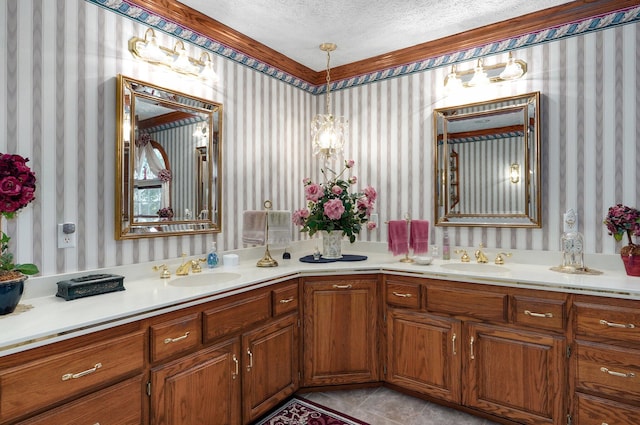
(168,162)
(487,163)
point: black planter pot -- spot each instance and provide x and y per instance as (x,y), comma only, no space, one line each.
(10,294)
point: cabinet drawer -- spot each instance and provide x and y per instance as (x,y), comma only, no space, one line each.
(403,294)
(43,382)
(175,336)
(609,370)
(612,322)
(597,411)
(235,315)
(540,313)
(119,404)
(285,299)
(479,304)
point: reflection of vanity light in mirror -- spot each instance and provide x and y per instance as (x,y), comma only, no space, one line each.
(177,59)
(483,74)
(201,134)
(514,173)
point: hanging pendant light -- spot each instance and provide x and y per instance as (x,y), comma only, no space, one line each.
(328,133)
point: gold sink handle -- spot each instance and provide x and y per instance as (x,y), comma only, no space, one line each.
(465,257)
(165,274)
(500,257)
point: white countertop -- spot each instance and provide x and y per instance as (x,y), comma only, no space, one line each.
(52,319)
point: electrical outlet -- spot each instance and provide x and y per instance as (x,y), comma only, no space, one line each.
(66,235)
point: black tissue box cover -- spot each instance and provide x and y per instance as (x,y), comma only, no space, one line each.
(86,286)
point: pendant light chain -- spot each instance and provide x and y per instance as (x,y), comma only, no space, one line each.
(328,102)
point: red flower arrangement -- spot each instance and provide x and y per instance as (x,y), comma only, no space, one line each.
(621,220)
(17,190)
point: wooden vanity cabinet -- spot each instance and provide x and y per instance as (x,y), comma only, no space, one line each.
(474,345)
(340,336)
(606,362)
(246,363)
(75,381)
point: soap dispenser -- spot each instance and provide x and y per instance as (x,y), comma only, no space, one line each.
(212,257)
(572,243)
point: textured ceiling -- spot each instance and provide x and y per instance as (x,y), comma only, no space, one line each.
(361,28)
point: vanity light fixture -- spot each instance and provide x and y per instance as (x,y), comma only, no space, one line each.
(514,173)
(177,59)
(328,133)
(483,74)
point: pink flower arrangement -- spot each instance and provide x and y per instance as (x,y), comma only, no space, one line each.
(166,212)
(331,207)
(17,190)
(622,219)
(164,175)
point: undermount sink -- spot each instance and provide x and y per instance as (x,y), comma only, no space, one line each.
(204,279)
(475,268)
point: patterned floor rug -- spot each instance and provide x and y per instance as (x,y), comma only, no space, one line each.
(303,412)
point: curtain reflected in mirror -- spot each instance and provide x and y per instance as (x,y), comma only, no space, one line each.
(487,163)
(169,155)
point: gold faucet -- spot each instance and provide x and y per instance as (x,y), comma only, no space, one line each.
(465,257)
(480,257)
(183,269)
(500,258)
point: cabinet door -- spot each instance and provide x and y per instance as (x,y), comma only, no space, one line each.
(340,330)
(270,366)
(516,374)
(202,388)
(423,353)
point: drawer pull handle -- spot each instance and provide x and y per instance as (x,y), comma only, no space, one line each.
(342,286)
(250,365)
(618,325)
(532,314)
(68,376)
(618,374)
(286,301)
(235,360)
(453,344)
(398,294)
(472,354)
(180,338)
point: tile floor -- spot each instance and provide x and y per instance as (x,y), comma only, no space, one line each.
(382,406)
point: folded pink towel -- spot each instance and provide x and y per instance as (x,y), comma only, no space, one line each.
(419,236)
(254,224)
(398,240)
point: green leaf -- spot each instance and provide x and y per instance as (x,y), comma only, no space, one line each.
(27,268)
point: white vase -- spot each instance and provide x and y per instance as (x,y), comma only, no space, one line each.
(332,244)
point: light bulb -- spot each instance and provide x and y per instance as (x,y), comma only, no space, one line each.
(479,76)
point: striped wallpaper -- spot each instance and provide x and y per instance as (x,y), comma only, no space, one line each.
(58,63)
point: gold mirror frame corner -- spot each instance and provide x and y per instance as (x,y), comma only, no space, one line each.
(448,187)
(205,110)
